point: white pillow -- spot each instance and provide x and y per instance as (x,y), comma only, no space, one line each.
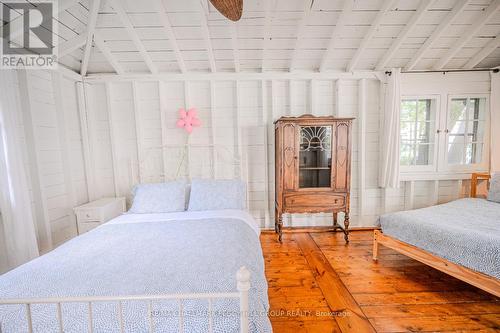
(159,197)
(217,194)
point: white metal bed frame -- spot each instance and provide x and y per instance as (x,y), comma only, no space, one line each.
(219,153)
(243,285)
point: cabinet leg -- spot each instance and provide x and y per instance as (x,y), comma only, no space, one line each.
(280,227)
(335,221)
(346,227)
(276,219)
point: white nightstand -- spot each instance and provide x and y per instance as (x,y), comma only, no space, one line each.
(95,213)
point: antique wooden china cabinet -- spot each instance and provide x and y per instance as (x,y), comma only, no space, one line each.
(313,163)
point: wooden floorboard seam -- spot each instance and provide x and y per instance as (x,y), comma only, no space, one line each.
(345,310)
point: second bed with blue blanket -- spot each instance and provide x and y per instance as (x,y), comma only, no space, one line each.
(465,231)
(145,254)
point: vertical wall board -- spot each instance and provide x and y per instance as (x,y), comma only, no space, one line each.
(41,213)
(361,146)
(64,143)
(113,139)
(86,142)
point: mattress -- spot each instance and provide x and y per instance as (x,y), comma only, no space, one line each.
(152,254)
(465,231)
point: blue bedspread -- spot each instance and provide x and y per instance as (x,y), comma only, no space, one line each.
(150,257)
(465,231)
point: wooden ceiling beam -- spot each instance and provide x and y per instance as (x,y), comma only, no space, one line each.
(308,4)
(71,45)
(93,12)
(457,9)
(206,37)
(167,26)
(120,11)
(101,45)
(403,35)
(369,35)
(483,18)
(336,33)
(483,53)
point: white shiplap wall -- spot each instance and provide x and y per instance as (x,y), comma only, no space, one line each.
(239,114)
(51,132)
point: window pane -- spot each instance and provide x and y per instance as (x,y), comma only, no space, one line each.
(315,156)
(466,125)
(424,131)
(455,153)
(424,107)
(417,132)
(408,110)
(406,155)
(458,110)
(424,154)
(407,130)
(473,153)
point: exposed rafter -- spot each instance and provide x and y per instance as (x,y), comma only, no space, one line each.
(71,45)
(421,10)
(93,12)
(308,4)
(206,37)
(120,11)
(16,25)
(234,45)
(101,45)
(485,51)
(336,34)
(474,29)
(160,9)
(270,8)
(66,4)
(369,35)
(459,7)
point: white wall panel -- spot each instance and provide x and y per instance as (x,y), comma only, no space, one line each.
(54,140)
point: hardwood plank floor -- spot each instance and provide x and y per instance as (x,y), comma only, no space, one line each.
(317,283)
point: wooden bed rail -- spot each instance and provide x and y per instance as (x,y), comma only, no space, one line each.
(477,279)
(476,177)
(243,286)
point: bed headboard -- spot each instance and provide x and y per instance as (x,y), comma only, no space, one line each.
(189,160)
(476,177)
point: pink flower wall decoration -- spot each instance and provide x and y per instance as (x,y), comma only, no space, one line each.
(188,120)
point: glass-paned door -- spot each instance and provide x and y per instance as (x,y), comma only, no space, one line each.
(466,131)
(315,156)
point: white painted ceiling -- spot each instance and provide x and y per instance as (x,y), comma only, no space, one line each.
(281,35)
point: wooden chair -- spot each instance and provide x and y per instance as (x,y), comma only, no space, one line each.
(476,177)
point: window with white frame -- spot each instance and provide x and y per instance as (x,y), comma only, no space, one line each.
(451,138)
(418,121)
(466,130)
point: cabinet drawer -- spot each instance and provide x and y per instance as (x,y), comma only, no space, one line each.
(83,215)
(314,200)
(83,227)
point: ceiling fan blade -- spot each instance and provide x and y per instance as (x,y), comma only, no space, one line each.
(232,9)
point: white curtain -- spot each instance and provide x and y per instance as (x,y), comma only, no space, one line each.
(389,161)
(18,227)
(495,122)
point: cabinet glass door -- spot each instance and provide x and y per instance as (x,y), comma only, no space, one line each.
(315,156)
